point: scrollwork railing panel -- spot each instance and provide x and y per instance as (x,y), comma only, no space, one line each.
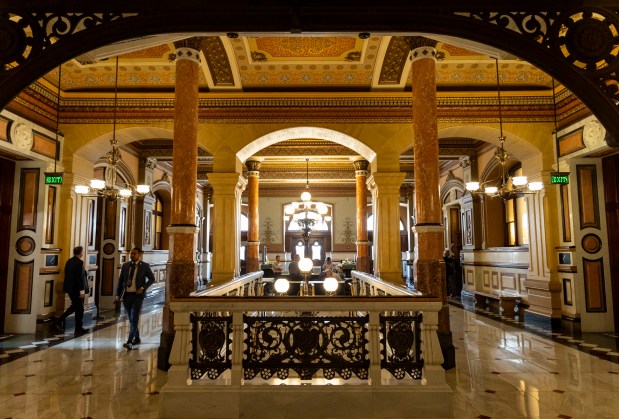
(276,345)
(401,345)
(210,346)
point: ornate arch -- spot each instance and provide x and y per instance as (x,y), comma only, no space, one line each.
(122,170)
(575,43)
(452,183)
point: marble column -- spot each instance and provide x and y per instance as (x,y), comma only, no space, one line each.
(182,267)
(253,218)
(363,245)
(385,189)
(429,268)
(227,190)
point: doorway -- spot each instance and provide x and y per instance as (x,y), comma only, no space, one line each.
(610,167)
(7,174)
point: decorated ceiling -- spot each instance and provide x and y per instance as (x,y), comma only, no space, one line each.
(329,63)
(279,64)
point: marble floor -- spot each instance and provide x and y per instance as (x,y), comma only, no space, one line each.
(502,372)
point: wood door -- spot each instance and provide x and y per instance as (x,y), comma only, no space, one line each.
(611,194)
(7,176)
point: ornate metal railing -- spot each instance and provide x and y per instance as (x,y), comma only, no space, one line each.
(401,345)
(378,340)
(276,345)
(211,339)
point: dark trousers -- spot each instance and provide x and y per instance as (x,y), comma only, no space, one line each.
(77,307)
(133,306)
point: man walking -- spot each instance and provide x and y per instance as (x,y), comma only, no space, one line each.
(76,285)
(132,286)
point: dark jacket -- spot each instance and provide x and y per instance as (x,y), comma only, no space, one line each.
(75,279)
(295,271)
(144,272)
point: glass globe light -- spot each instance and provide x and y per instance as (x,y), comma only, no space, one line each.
(125,193)
(97,184)
(519,180)
(491,189)
(288,210)
(536,186)
(306,265)
(322,208)
(282,285)
(143,189)
(81,189)
(306,196)
(472,186)
(330,284)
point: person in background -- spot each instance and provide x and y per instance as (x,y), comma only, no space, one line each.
(76,285)
(328,265)
(449,272)
(278,266)
(295,275)
(131,290)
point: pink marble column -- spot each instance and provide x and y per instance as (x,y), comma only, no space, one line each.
(429,267)
(183,227)
(253,231)
(363,245)
(182,267)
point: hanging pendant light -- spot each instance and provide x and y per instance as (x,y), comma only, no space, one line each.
(505,186)
(98,187)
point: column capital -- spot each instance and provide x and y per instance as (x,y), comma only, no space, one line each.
(386,182)
(226,183)
(150,162)
(361,167)
(422,48)
(253,167)
(187,49)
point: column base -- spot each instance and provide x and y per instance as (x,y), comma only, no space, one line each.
(182,278)
(163,352)
(448,350)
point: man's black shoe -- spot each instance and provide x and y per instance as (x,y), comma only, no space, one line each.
(136,341)
(128,345)
(80,332)
(58,325)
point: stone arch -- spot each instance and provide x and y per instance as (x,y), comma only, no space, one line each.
(451,183)
(306,132)
(41,40)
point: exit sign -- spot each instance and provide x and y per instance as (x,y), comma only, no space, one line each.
(559,178)
(53,178)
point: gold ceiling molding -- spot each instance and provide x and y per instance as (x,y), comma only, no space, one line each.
(158,52)
(395,60)
(217,61)
(305,48)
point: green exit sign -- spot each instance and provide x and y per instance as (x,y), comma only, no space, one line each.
(53,178)
(560,178)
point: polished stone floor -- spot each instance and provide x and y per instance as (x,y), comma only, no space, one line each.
(502,372)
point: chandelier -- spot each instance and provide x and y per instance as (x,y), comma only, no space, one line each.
(107,188)
(509,186)
(306,214)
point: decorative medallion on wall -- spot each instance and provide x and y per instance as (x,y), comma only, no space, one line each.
(25,246)
(109,248)
(22,137)
(347,235)
(591,243)
(593,133)
(268,236)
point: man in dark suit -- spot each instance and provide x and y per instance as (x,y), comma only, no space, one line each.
(132,286)
(76,285)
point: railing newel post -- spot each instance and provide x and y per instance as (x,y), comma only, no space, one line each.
(237,348)
(374,340)
(178,373)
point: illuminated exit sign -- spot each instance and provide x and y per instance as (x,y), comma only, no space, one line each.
(53,178)
(559,178)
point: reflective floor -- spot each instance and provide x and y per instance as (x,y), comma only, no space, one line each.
(502,372)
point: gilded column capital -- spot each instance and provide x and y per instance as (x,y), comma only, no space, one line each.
(150,163)
(187,49)
(386,182)
(361,167)
(253,167)
(422,48)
